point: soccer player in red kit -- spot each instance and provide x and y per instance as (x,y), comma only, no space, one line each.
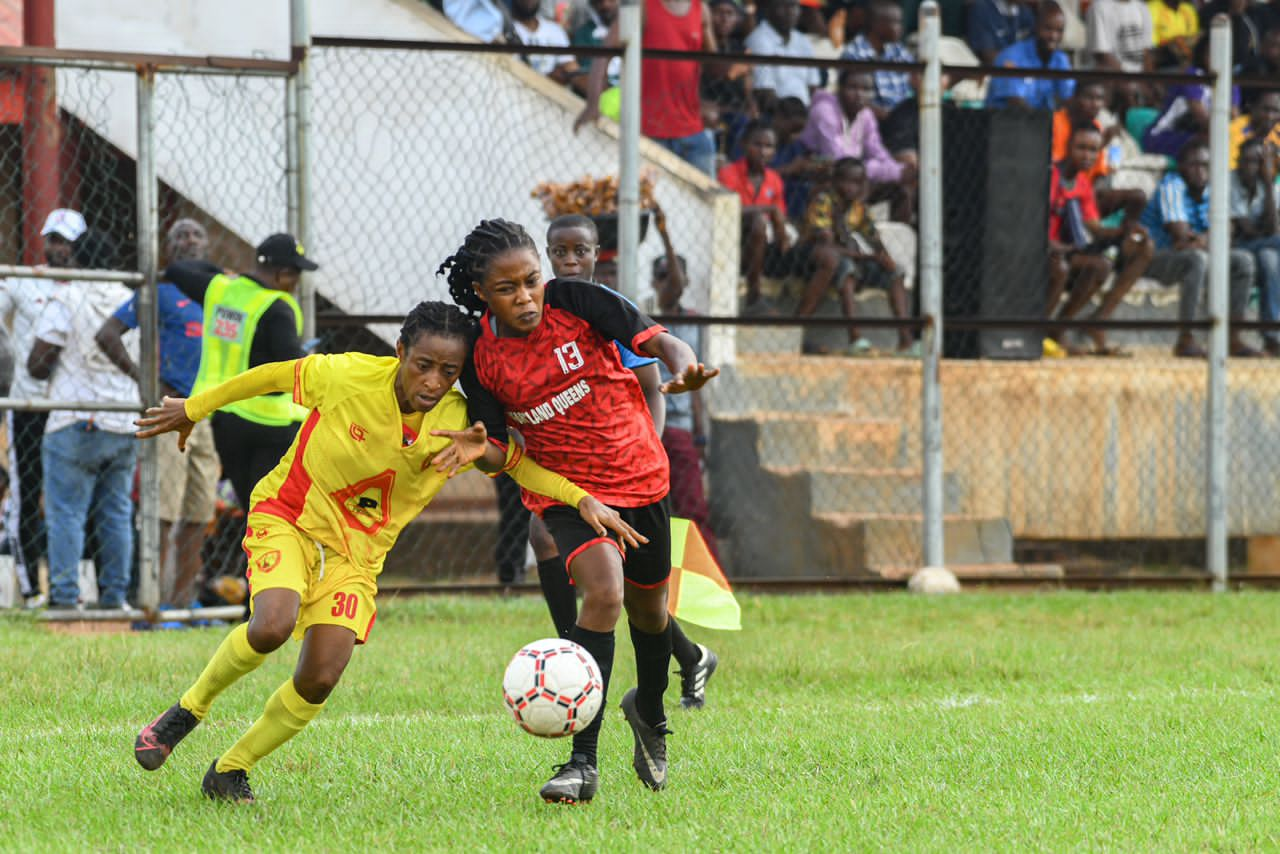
(545,359)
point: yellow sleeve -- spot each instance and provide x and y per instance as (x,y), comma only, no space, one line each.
(264,379)
(535,478)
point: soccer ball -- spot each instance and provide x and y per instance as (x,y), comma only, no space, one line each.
(553,688)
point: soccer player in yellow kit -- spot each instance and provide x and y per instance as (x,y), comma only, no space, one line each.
(382,437)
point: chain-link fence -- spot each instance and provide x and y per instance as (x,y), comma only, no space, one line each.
(110,161)
(815,462)
(821,451)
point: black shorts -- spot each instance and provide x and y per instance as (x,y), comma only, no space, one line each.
(646,566)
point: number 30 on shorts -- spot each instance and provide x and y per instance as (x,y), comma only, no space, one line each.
(345,605)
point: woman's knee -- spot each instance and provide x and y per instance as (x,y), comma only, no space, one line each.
(272,622)
(317,681)
(647,608)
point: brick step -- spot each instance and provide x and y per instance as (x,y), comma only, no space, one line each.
(868,490)
(816,440)
(867,542)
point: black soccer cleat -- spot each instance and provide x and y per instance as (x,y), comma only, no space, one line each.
(693,682)
(575,782)
(158,738)
(231,786)
(650,759)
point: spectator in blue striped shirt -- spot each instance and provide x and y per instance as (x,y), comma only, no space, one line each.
(1036,93)
(883,42)
(1178,219)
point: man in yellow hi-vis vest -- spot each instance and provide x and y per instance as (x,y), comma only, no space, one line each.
(249,320)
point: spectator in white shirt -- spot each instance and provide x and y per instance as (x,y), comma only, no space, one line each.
(24,300)
(776,35)
(88,456)
(535,30)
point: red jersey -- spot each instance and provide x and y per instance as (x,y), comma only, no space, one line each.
(1059,195)
(563,388)
(671,102)
(771,191)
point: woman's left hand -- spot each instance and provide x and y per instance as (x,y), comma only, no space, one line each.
(465,447)
(691,378)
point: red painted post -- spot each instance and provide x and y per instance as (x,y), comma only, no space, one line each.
(41,132)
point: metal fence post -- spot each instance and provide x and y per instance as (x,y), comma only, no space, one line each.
(1219,273)
(629,151)
(931,280)
(298,166)
(149,355)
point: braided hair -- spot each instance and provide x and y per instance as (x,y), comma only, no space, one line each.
(439,318)
(468,265)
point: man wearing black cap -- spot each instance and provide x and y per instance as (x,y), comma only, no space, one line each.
(249,320)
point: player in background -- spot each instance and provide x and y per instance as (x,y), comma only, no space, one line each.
(545,358)
(573,248)
(381,438)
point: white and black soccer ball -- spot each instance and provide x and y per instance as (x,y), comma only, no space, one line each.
(553,688)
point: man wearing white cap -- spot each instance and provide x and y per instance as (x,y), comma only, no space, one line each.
(24,300)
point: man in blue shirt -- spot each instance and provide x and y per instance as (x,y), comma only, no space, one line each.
(883,41)
(996,24)
(188,482)
(1177,218)
(1036,93)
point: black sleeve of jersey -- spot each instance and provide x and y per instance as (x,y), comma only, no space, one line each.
(192,277)
(482,406)
(276,339)
(608,312)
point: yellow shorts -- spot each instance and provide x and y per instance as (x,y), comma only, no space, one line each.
(334,591)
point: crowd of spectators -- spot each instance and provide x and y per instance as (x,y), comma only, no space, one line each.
(775,134)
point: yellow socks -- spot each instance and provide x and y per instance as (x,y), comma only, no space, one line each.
(234,658)
(284,717)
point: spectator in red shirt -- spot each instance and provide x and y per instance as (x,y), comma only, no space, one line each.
(1078,241)
(763,204)
(671,101)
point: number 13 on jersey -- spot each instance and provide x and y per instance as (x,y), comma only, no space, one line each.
(569,357)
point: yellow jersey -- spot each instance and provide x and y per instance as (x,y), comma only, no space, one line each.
(357,472)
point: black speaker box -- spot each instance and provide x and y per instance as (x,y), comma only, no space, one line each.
(995,238)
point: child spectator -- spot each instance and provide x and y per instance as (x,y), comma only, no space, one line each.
(883,41)
(1175,26)
(798,166)
(1262,121)
(996,24)
(1077,240)
(535,30)
(843,125)
(1035,93)
(764,206)
(776,35)
(684,436)
(1084,108)
(841,244)
(1255,227)
(1178,219)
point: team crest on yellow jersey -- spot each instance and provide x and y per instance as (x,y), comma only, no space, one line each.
(366,505)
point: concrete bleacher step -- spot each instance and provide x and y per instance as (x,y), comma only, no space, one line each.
(866,543)
(1032,573)
(868,490)
(815,439)
(747,388)
(754,340)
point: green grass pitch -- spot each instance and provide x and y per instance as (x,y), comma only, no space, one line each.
(1053,722)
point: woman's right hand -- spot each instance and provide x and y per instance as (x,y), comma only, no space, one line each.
(169,417)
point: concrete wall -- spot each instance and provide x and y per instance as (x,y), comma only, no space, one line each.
(410,149)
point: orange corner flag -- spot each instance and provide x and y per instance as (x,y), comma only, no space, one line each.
(698,592)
